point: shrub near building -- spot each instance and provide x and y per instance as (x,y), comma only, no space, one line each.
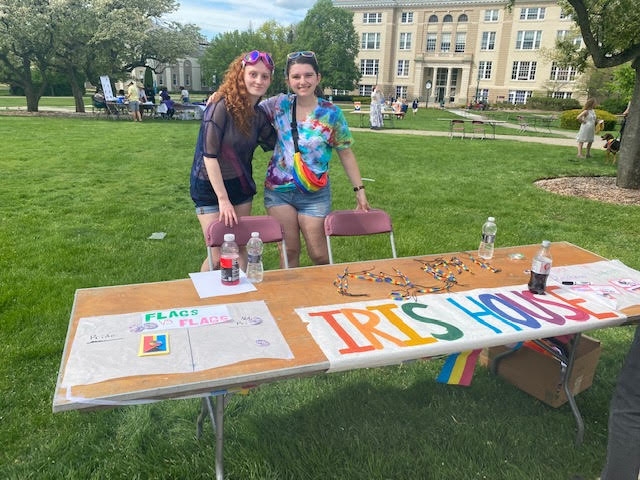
(569,121)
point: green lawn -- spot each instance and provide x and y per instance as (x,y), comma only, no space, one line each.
(79,198)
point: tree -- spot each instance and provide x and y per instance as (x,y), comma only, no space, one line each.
(611,34)
(329,31)
(84,39)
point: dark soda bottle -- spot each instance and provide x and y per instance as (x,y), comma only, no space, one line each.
(540,269)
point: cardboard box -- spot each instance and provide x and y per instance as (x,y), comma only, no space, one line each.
(540,374)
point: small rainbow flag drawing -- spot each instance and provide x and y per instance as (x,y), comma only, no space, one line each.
(458,368)
(154,344)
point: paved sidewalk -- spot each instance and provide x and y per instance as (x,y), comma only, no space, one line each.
(568,139)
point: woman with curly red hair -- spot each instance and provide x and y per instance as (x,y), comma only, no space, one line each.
(222,185)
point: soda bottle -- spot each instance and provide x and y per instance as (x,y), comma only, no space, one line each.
(229,254)
(255,269)
(540,269)
(487,243)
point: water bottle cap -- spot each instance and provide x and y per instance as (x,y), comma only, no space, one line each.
(491,219)
(229,237)
(255,234)
(546,243)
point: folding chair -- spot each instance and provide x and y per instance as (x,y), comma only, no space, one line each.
(524,124)
(269,228)
(347,223)
(456,126)
(479,129)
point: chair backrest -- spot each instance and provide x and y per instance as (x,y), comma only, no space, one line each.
(270,230)
(347,223)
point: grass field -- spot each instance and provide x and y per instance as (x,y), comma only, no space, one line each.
(79,199)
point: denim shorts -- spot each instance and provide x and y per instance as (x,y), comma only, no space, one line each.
(205,209)
(316,204)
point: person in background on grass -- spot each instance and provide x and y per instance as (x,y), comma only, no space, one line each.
(134,101)
(625,114)
(375,109)
(221,184)
(587,132)
(184,93)
(623,444)
(414,106)
(297,189)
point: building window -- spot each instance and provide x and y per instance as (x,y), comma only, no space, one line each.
(463,18)
(532,13)
(491,15)
(461,41)
(401,92)
(372,18)
(370,41)
(519,96)
(369,67)
(524,71)
(433,19)
(483,95)
(566,35)
(484,70)
(445,42)
(405,41)
(403,68)
(528,39)
(432,40)
(406,17)
(561,95)
(488,41)
(447,19)
(562,73)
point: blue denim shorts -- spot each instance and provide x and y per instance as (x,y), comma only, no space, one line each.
(316,204)
(205,209)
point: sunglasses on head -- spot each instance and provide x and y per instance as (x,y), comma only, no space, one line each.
(306,53)
(254,56)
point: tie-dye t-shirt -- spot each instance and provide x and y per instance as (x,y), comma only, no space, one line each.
(322,131)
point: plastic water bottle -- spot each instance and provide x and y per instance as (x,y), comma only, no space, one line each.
(540,269)
(229,254)
(487,243)
(255,269)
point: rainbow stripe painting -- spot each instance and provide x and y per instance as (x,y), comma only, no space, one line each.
(458,368)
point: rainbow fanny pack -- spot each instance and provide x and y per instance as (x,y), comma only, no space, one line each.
(305,178)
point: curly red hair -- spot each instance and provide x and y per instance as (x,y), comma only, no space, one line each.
(236,96)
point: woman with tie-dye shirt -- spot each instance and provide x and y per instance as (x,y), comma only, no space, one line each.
(297,189)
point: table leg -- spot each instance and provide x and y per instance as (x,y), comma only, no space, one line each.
(216,414)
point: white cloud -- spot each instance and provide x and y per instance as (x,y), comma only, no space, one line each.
(214,17)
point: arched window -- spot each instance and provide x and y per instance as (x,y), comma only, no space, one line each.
(447,19)
(463,18)
(188,74)
(433,19)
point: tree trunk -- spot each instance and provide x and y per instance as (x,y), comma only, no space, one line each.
(32,96)
(629,155)
(77,90)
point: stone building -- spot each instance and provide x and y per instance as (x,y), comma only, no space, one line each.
(457,52)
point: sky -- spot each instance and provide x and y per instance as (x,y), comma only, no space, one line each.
(215,17)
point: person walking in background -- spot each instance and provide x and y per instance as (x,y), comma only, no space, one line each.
(184,93)
(375,109)
(297,188)
(587,132)
(134,101)
(414,106)
(623,444)
(221,184)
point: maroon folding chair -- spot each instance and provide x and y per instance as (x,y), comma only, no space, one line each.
(269,228)
(348,223)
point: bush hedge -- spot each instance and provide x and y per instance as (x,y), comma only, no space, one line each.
(569,121)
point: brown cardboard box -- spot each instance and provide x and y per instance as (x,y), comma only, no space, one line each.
(540,375)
